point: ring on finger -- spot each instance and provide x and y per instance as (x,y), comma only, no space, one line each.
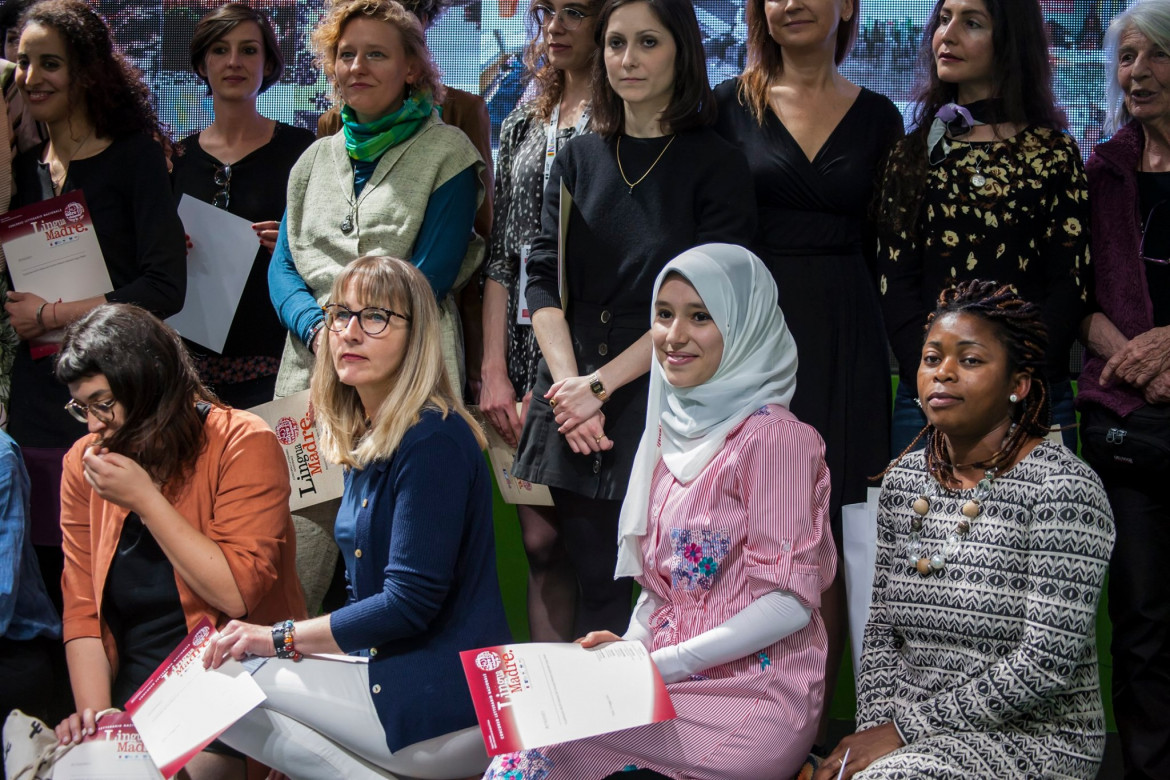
(553,403)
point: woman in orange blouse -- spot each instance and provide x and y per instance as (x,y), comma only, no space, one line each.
(173,508)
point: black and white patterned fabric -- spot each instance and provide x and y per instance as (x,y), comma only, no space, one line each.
(519,197)
(988,668)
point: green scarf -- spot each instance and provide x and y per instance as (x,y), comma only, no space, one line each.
(369,141)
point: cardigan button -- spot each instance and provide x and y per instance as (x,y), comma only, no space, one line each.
(603,349)
(373,652)
(357,553)
(365,503)
(605,317)
(377,688)
(596,466)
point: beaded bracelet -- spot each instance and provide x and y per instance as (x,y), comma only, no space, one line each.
(283,641)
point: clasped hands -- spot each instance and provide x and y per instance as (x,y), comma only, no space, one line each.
(1144,363)
(578,413)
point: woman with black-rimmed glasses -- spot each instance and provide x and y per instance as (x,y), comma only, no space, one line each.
(174,508)
(415,530)
(240,163)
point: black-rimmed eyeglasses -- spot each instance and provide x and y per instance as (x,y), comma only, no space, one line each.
(1155,246)
(372,319)
(571,18)
(223,180)
(102,411)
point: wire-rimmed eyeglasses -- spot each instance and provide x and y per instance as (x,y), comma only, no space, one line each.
(223,179)
(102,411)
(1155,246)
(571,18)
(372,319)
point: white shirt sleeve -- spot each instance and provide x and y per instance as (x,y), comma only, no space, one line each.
(764,622)
(639,630)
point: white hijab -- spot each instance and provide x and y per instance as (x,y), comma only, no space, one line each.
(687,427)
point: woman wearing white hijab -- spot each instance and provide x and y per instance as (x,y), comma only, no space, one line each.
(724,526)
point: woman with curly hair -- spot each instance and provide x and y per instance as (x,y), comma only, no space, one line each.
(987,185)
(560,58)
(396,181)
(105,141)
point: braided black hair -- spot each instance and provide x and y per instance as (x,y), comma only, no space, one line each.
(1020,328)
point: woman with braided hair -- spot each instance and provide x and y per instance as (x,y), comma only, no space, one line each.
(980,658)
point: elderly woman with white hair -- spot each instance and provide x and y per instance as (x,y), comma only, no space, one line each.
(1125,386)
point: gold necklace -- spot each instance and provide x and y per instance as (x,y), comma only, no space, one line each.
(622,171)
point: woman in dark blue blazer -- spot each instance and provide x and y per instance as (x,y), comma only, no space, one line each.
(415,530)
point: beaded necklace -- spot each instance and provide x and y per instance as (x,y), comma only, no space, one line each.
(971,509)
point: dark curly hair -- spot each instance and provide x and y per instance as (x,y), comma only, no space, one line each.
(152,376)
(549,81)
(117,101)
(1022,82)
(1019,326)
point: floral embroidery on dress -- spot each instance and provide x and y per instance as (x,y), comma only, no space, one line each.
(525,765)
(697,557)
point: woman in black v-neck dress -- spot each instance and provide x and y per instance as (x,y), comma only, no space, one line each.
(815,237)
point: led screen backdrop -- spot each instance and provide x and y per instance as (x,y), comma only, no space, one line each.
(478,43)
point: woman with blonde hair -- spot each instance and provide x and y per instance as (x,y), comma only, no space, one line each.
(415,530)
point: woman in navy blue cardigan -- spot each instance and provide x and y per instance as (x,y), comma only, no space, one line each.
(415,529)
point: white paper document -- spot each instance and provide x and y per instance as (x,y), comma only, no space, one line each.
(183,707)
(114,752)
(218,264)
(532,695)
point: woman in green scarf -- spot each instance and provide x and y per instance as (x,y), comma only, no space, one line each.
(396,181)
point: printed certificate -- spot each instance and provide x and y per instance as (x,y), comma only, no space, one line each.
(532,695)
(183,707)
(501,456)
(313,479)
(52,251)
(114,752)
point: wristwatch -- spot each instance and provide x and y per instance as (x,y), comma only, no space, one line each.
(598,388)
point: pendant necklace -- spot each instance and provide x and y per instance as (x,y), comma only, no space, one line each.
(622,171)
(971,509)
(347,224)
(977,178)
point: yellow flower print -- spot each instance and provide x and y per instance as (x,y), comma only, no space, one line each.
(991,219)
(971,261)
(1072,226)
(929,213)
(950,238)
(1000,250)
(885,284)
(1023,263)
(949,211)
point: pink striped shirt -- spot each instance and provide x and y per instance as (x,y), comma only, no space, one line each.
(754,521)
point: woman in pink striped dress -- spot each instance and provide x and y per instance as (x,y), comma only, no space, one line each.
(724,526)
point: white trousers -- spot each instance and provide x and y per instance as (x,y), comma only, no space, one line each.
(319,721)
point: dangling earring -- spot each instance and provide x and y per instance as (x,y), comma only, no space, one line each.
(918,402)
(1015,399)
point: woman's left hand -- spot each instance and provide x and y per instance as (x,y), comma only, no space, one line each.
(238,640)
(864,748)
(267,232)
(573,402)
(22,314)
(118,479)
(1141,359)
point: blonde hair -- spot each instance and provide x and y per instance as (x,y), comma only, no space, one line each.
(420,382)
(327,34)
